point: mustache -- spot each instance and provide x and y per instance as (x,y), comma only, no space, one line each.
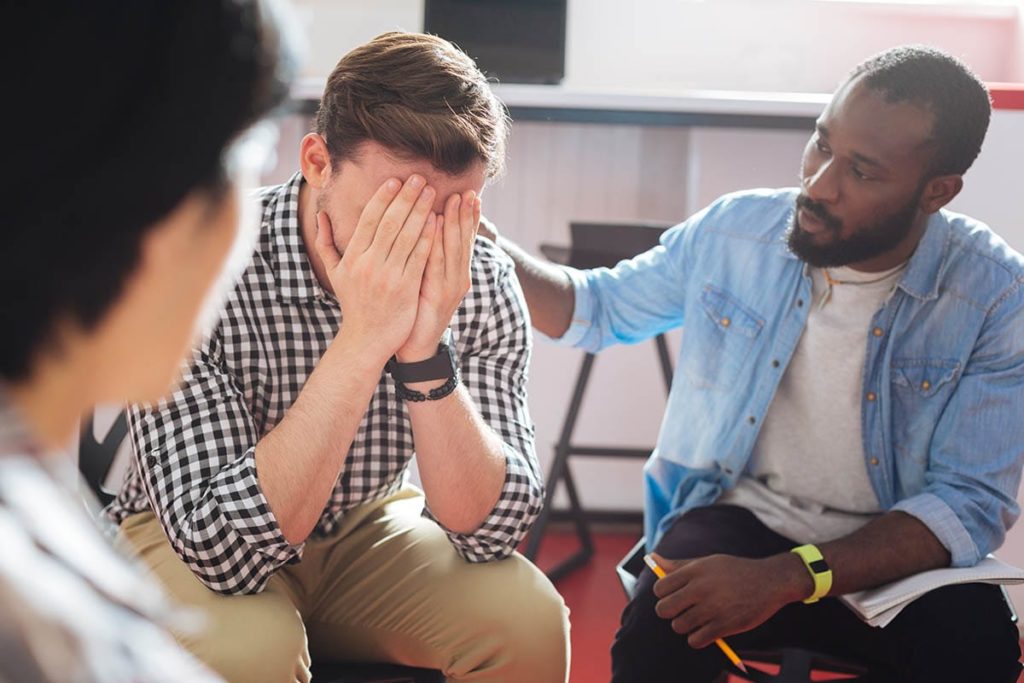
(820,212)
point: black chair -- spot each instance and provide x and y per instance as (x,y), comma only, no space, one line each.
(795,664)
(593,245)
(95,458)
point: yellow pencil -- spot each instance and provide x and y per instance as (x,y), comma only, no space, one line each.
(722,645)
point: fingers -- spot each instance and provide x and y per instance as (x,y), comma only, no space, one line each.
(467,212)
(470,224)
(451,236)
(404,220)
(325,246)
(417,262)
(676,576)
(674,604)
(372,214)
(701,636)
(436,261)
(406,239)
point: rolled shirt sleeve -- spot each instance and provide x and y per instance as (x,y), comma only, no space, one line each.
(195,452)
(977,453)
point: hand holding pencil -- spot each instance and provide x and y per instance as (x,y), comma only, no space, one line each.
(722,645)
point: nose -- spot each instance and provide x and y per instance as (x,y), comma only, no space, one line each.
(822,184)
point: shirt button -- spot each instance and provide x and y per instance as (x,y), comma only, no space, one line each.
(775,363)
(877,331)
(799,303)
(926,385)
(871,396)
(874,461)
(725,322)
(751,419)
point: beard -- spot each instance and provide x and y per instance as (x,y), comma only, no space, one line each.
(869,242)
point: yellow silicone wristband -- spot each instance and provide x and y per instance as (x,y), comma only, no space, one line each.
(822,577)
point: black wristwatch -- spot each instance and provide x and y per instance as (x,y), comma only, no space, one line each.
(441,366)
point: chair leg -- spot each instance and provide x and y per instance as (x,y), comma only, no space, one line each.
(559,471)
(586,551)
(665,359)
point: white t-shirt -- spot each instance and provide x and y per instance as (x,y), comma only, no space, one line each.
(807,478)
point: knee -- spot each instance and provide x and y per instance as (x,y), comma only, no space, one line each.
(520,632)
(260,639)
(536,632)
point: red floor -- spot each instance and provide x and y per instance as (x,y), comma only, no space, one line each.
(595,599)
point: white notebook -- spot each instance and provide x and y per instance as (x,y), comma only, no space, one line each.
(879,606)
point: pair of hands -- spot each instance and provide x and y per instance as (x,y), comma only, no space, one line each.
(405,270)
(721,595)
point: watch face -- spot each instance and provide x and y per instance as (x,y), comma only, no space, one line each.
(819,566)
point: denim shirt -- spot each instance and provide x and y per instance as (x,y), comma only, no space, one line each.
(943,379)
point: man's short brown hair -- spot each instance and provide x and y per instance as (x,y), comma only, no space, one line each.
(417,95)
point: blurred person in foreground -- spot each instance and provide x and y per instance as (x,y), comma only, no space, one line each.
(125,148)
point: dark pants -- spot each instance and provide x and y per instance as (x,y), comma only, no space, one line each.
(960,634)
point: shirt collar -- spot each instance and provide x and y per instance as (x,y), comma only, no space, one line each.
(921,280)
(293,271)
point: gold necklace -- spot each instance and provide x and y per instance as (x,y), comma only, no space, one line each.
(830,281)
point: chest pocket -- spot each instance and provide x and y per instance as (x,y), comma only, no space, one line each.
(920,390)
(927,377)
(718,339)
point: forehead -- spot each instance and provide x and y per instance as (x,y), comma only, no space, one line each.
(860,118)
(374,164)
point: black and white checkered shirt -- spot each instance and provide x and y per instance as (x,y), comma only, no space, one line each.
(194,461)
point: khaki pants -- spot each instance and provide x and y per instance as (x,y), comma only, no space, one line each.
(389,587)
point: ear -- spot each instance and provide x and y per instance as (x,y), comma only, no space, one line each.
(940,191)
(315,160)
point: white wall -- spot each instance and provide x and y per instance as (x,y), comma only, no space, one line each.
(788,45)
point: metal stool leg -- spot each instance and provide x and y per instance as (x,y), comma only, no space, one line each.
(558,472)
(666,361)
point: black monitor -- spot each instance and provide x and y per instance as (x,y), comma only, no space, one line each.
(515,41)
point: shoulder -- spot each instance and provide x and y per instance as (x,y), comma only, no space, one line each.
(980,263)
(760,215)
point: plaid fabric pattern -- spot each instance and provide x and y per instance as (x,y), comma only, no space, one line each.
(194,453)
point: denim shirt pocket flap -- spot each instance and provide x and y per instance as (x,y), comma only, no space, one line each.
(729,314)
(925,376)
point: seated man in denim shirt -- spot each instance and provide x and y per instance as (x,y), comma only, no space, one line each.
(850,376)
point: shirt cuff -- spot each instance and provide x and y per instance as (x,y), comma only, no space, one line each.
(508,521)
(246,510)
(947,527)
(583,311)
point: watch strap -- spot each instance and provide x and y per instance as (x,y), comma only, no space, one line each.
(439,366)
(819,570)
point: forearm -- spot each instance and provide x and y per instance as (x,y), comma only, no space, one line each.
(298,462)
(892,547)
(547,288)
(461,460)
